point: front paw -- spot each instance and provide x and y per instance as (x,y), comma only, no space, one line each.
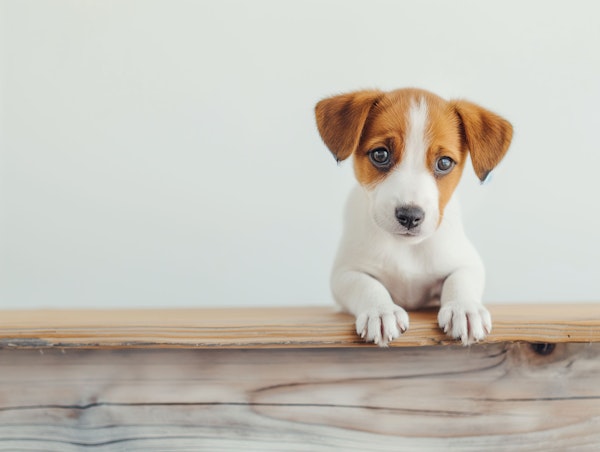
(382,324)
(469,322)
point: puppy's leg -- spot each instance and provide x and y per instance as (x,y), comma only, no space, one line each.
(462,315)
(378,319)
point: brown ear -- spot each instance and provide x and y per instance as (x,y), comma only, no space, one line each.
(340,120)
(486,134)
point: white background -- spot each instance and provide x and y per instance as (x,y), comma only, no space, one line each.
(164,153)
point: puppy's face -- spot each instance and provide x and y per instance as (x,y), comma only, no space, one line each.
(409,148)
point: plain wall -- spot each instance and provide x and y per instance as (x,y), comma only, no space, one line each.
(164,153)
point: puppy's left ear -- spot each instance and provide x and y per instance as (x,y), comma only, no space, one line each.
(486,135)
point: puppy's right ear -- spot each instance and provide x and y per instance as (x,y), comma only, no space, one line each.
(340,120)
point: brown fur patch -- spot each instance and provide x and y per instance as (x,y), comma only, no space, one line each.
(444,140)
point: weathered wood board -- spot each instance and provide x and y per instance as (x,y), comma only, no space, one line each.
(485,397)
(296,379)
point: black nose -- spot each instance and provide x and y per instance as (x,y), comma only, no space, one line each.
(410,216)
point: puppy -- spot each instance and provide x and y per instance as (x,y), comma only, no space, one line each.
(403,245)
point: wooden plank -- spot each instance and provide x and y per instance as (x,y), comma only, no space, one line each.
(273,327)
(486,397)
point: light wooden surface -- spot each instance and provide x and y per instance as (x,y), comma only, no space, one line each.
(273,327)
(498,397)
(296,379)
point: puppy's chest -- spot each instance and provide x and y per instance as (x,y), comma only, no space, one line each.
(412,280)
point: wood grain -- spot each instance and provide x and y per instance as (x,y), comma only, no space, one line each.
(305,327)
(482,398)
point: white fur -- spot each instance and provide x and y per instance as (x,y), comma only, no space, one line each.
(379,270)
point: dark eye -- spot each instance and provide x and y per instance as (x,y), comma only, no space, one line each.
(380,157)
(443,165)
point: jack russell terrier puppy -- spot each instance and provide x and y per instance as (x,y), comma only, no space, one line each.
(403,245)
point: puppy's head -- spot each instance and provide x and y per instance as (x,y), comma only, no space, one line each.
(409,148)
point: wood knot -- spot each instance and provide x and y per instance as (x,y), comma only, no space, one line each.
(543,349)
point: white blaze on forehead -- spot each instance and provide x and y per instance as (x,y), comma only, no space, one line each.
(416,143)
(414,183)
